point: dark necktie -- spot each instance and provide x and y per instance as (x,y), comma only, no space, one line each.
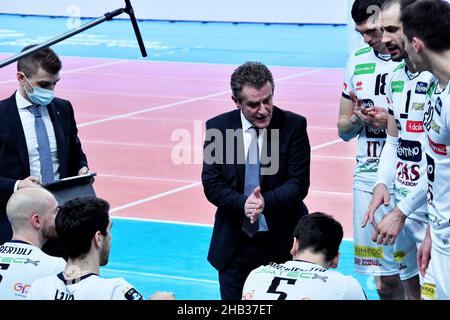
(45,155)
(251,179)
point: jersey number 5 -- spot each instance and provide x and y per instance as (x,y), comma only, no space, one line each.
(276,282)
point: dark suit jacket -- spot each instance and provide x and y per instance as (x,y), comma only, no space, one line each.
(283,191)
(13,148)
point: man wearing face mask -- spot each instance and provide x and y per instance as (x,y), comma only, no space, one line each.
(38,133)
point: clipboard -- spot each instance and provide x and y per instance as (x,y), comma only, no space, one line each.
(72,187)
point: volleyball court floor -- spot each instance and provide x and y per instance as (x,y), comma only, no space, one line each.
(134,117)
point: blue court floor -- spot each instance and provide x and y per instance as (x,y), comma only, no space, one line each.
(227,43)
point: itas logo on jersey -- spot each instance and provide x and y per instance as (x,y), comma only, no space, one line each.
(409,150)
(359,86)
(345,86)
(414,126)
(421,87)
(437,148)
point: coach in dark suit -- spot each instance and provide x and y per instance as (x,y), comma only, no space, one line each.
(38,133)
(256,171)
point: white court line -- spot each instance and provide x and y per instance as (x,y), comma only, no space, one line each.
(156,275)
(169,146)
(333,157)
(322,128)
(332,192)
(107,64)
(146,178)
(156,196)
(175,104)
(326,144)
(130,144)
(141,145)
(160,107)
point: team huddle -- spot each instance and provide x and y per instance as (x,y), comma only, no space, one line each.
(394,102)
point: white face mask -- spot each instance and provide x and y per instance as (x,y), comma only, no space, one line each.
(39,96)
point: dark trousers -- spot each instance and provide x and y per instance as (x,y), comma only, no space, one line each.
(250,254)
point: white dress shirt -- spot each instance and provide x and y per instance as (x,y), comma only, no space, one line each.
(27,119)
(246,125)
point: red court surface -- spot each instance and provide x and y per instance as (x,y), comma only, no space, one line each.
(127,112)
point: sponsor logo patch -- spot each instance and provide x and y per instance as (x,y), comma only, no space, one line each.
(375,133)
(414,126)
(421,87)
(435,127)
(365,68)
(438,148)
(399,255)
(21,289)
(418,106)
(363,51)
(368,252)
(428,291)
(397,86)
(409,150)
(359,86)
(367,103)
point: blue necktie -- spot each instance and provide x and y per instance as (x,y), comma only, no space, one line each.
(251,179)
(45,155)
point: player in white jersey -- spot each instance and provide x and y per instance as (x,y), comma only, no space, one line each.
(317,237)
(83,227)
(363,114)
(86,287)
(426,28)
(31,212)
(403,158)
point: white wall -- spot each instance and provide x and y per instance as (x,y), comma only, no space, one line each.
(282,11)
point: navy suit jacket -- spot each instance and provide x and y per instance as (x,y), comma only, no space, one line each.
(283,191)
(13,147)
